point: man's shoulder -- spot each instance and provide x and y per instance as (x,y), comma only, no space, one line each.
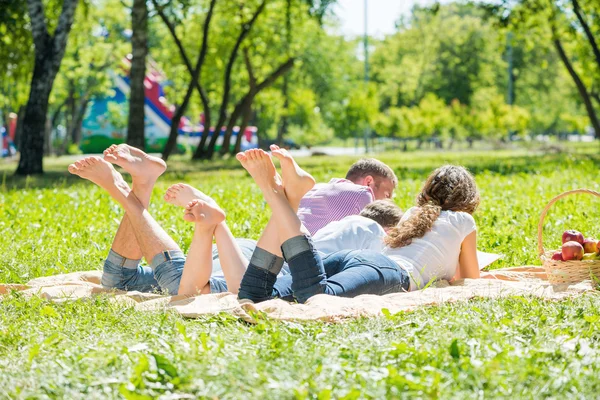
(342,185)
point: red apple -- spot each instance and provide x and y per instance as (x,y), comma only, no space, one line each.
(572,251)
(572,235)
(590,245)
(557,256)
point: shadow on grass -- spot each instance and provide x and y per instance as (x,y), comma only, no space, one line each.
(57,175)
(406,166)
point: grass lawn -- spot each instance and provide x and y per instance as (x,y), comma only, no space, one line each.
(518,347)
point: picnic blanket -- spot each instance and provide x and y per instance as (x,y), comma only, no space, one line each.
(518,281)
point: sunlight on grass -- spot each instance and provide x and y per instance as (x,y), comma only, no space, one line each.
(521,347)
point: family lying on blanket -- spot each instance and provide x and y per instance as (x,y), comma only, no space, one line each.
(343,238)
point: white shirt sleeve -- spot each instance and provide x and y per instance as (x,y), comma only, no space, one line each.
(468,224)
(351,233)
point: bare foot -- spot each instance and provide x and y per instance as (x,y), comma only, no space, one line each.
(204,213)
(260,166)
(102,174)
(144,169)
(296,181)
(180,194)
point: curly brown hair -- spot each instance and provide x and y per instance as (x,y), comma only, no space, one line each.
(448,188)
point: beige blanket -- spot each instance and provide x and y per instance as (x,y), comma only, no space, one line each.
(529,281)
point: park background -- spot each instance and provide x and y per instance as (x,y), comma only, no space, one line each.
(507,89)
(302,72)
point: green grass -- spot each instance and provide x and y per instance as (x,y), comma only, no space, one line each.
(518,347)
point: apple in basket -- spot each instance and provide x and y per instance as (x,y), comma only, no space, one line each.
(572,235)
(572,251)
(590,245)
(557,256)
(590,256)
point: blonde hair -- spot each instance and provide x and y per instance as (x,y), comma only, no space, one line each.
(448,188)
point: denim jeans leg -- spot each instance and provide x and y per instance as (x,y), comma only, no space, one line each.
(306,267)
(168,268)
(364,272)
(260,277)
(126,274)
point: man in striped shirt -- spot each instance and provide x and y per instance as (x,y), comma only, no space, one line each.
(367,180)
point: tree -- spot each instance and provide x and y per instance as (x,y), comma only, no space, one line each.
(195,74)
(246,27)
(137,74)
(95,48)
(556,22)
(49,51)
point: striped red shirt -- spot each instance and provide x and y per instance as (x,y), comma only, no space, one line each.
(333,201)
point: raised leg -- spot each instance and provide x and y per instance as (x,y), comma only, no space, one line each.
(265,264)
(233,262)
(198,266)
(144,170)
(155,244)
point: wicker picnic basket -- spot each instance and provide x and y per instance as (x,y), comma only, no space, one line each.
(565,271)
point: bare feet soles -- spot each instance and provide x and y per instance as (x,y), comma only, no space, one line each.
(297,182)
(144,169)
(180,194)
(102,174)
(204,213)
(260,166)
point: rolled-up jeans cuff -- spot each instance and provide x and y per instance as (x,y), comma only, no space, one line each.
(164,256)
(117,259)
(265,260)
(296,245)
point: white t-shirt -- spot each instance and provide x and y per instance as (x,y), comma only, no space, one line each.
(435,255)
(353,232)
(350,233)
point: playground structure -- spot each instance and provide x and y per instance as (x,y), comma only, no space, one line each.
(8,137)
(101,127)
(105,120)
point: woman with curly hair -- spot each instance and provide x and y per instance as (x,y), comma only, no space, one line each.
(437,239)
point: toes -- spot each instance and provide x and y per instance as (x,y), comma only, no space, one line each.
(189,217)
(241,157)
(78,164)
(73,169)
(110,157)
(194,202)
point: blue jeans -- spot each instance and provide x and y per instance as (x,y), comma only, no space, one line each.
(346,273)
(162,275)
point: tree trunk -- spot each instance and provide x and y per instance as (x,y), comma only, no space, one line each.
(580,87)
(195,74)
(243,125)
(34,121)
(245,105)
(78,120)
(283,128)
(49,51)
(137,74)
(174,131)
(587,30)
(48,147)
(246,28)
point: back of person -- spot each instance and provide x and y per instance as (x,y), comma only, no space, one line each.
(435,255)
(328,202)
